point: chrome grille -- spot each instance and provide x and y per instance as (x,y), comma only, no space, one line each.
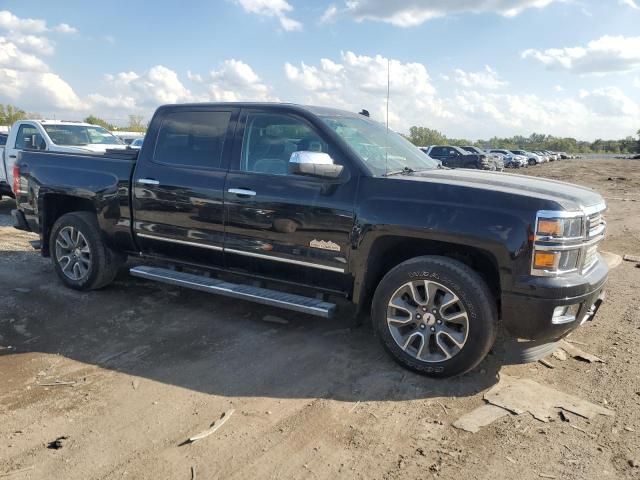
(596,224)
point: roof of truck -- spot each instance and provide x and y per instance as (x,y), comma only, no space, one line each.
(317,110)
(56,122)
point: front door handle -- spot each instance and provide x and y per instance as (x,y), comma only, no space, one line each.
(12,156)
(148,181)
(241,192)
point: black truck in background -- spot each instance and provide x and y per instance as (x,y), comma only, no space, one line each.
(304,204)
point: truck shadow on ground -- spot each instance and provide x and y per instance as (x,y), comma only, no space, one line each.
(210,344)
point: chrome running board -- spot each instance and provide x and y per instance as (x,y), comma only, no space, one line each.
(264,296)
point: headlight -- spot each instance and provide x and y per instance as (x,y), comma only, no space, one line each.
(562,228)
(558,243)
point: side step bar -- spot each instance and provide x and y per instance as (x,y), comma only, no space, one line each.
(263,296)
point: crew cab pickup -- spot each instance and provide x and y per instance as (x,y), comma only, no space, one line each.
(293,206)
(51,136)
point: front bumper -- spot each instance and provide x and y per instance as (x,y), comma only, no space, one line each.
(527,314)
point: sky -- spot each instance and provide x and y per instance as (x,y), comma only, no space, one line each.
(469,68)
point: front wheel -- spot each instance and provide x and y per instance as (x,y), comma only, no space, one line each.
(80,257)
(435,316)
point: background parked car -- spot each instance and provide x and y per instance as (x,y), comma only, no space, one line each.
(496,159)
(456,157)
(544,156)
(511,160)
(532,158)
(53,136)
(137,143)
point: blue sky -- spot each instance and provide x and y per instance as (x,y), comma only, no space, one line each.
(470,68)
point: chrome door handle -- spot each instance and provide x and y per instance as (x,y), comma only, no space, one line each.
(242,192)
(148,181)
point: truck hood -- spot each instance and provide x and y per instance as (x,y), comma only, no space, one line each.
(569,196)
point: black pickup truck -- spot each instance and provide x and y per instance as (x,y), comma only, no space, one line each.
(299,205)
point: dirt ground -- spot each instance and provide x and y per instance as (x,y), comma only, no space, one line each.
(154,365)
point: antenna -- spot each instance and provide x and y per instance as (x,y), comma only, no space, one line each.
(386,140)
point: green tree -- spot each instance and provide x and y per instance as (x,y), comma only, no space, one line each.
(136,124)
(10,114)
(92,119)
(423,136)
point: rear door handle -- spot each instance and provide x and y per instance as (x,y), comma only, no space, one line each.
(241,192)
(148,181)
(12,156)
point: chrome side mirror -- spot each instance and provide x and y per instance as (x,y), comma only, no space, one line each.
(314,164)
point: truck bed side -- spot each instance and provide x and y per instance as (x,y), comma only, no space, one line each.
(53,184)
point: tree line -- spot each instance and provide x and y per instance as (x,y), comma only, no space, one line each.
(423,136)
(9,114)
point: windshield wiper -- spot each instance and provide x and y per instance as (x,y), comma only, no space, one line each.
(404,171)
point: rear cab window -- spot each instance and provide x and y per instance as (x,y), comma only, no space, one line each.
(192,138)
(28,138)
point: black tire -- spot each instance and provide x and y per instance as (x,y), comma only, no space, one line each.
(104,263)
(471,290)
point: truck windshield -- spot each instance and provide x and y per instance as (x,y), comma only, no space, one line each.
(80,135)
(381,150)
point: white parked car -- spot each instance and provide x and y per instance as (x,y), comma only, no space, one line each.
(511,160)
(52,136)
(532,158)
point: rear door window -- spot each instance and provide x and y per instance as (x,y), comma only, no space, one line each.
(192,139)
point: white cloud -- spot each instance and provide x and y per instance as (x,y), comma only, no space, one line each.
(355,82)
(604,55)
(409,13)
(329,14)
(359,81)
(487,78)
(8,21)
(272,8)
(610,102)
(15,24)
(636,82)
(14,57)
(630,3)
(65,28)
(33,43)
(132,92)
(34,90)
(559,88)
(236,81)
(25,78)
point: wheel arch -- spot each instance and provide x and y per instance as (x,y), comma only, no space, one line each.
(55,206)
(389,251)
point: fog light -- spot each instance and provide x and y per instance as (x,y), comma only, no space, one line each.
(565,314)
(546,260)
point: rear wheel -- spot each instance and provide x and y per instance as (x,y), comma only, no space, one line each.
(435,316)
(532,162)
(80,257)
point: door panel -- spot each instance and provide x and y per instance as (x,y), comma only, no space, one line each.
(178,187)
(283,225)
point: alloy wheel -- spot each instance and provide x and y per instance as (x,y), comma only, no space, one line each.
(427,321)
(73,253)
